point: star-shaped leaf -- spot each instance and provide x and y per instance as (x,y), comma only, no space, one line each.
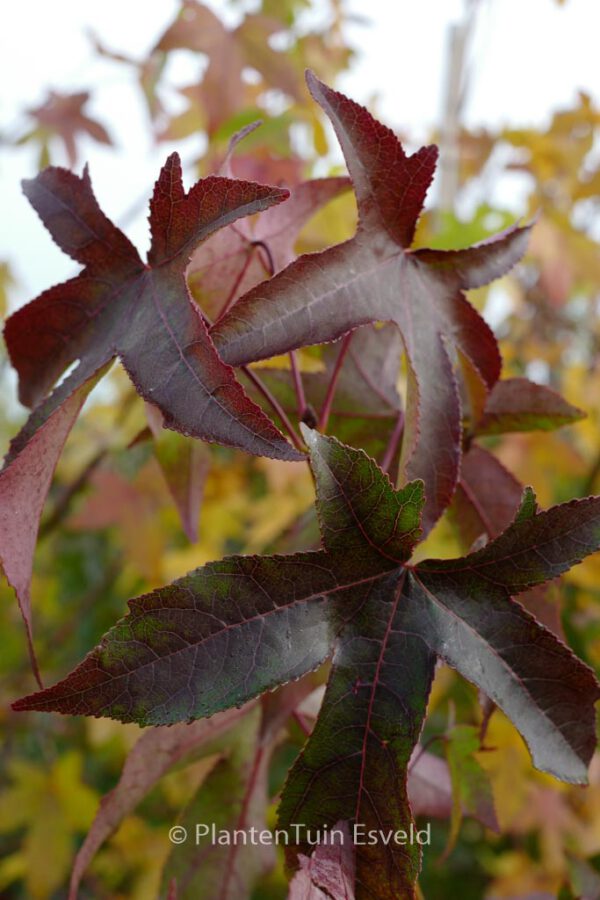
(374,277)
(119,306)
(231,630)
(63,116)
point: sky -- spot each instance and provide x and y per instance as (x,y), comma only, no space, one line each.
(527,58)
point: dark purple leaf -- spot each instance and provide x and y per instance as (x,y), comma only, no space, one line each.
(373,277)
(118,306)
(24,485)
(234,629)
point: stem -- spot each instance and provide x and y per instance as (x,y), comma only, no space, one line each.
(264,390)
(328,402)
(234,288)
(298,385)
(269,265)
(390,450)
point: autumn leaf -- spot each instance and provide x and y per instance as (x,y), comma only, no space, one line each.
(156,751)
(63,116)
(119,306)
(234,629)
(24,484)
(329,873)
(517,404)
(374,277)
(239,257)
(142,313)
(223,91)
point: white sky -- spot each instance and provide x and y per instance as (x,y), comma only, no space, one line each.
(528,58)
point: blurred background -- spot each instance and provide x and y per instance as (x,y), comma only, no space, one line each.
(510,91)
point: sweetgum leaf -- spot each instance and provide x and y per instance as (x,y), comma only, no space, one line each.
(156,751)
(233,629)
(329,873)
(373,277)
(353,766)
(118,306)
(216,871)
(485,503)
(517,404)
(223,91)
(24,484)
(63,116)
(214,639)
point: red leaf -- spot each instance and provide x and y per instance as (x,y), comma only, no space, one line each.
(517,404)
(142,313)
(373,278)
(63,116)
(24,484)
(151,757)
(237,258)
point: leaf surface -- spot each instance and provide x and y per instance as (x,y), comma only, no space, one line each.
(24,485)
(234,629)
(237,258)
(372,278)
(156,751)
(118,306)
(517,404)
